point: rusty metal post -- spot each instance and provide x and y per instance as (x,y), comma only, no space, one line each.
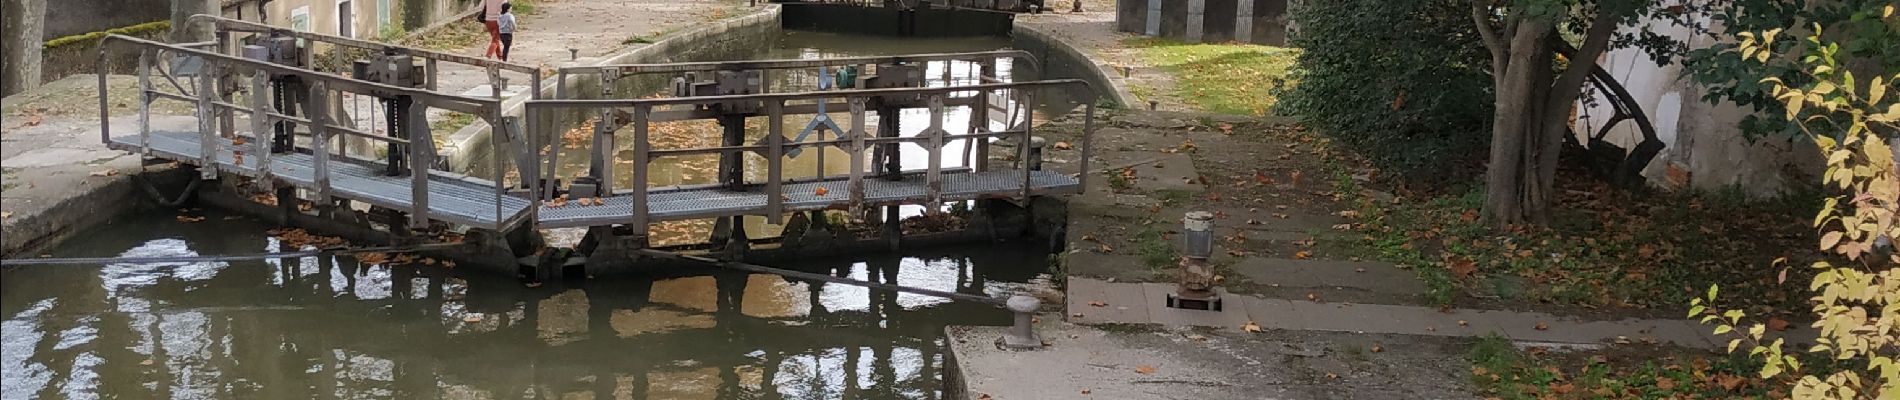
(1196,289)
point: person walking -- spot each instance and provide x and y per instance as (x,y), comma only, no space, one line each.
(491,14)
(506,25)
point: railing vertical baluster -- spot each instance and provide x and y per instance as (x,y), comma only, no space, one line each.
(145,99)
(319,139)
(933,174)
(207,117)
(1029,121)
(105,110)
(260,123)
(774,162)
(227,118)
(501,130)
(421,157)
(640,160)
(603,148)
(979,123)
(857,133)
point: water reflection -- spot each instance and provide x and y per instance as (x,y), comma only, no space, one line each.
(331,328)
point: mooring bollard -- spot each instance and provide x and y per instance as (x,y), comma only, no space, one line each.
(1152,105)
(1078,7)
(573,54)
(1022,334)
(1196,289)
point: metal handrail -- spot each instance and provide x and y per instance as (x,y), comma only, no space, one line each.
(795,63)
(854,139)
(420,141)
(223,23)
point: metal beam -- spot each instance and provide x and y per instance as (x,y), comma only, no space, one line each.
(228,24)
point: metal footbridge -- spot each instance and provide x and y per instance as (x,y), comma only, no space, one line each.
(268,111)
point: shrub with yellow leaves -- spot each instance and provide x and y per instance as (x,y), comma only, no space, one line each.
(1856,302)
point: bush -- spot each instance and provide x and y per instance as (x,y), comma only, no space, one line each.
(1402,82)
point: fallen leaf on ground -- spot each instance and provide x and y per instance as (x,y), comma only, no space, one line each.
(1665,383)
(1777,324)
(1728,382)
(6,214)
(1377,348)
(1144,369)
(1542,326)
(1302,255)
(105,172)
(1062,146)
(1098,303)
(1197,338)
(1250,327)
(1462,267)
(820,192)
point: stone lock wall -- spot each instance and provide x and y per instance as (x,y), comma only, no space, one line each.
(1208,21)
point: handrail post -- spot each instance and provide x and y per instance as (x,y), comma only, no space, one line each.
(319,139)
(641,158)
(857,133)
(980,123)
(1024,151)
(421,158)
(498,131)
(933,174)
(105,110)
(260,123)
(207,115)
(774,162)
(145,99)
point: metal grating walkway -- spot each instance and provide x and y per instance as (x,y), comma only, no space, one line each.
(678,204)
(453,199)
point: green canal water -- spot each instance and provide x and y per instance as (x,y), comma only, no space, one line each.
(335,328)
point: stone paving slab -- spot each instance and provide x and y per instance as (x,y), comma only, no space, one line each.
(1376,276)
(1122,305)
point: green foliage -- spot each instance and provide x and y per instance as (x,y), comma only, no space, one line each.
(1500,370)
(1730,74)
(1220,77)
(1856,303)
(1404,83)
(89,39)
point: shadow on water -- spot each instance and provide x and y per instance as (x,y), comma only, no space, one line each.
(334,328)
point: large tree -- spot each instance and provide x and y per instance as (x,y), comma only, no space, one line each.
(1535,91)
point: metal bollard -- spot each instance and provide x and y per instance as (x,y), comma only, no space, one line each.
(1078,7)
(1022,334)
(1196,289)
(573,54)
(1152,105)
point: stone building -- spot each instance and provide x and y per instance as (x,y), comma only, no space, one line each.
(1211,21)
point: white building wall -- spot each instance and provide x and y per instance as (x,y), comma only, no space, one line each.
(1705,148)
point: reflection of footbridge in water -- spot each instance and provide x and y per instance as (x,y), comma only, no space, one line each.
(658,331)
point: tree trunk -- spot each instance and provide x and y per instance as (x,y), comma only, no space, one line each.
(22,25)
(1517,182)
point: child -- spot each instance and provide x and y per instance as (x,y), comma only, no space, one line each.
(506,25)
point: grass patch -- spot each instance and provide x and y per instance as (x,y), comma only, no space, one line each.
(1605,247)
(9,179)
(1173,197)
(1156,252)
(448,126)
(1502,371)
(636,39)
(1223,78)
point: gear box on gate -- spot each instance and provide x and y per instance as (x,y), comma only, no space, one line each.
(398,70)
(280,50)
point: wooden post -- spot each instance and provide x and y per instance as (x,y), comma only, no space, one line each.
(145,100)
(421,158)
(856,148)
(774,162)
(640,160)
(207,120)
(933,173)
(261,123)
(319,139)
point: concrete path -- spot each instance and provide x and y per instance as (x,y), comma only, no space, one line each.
(1093,301)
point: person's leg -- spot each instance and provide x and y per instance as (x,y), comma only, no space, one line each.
(507,43)
(494,39)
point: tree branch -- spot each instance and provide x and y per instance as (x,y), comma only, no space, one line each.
(1490,37)
(1570,84)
